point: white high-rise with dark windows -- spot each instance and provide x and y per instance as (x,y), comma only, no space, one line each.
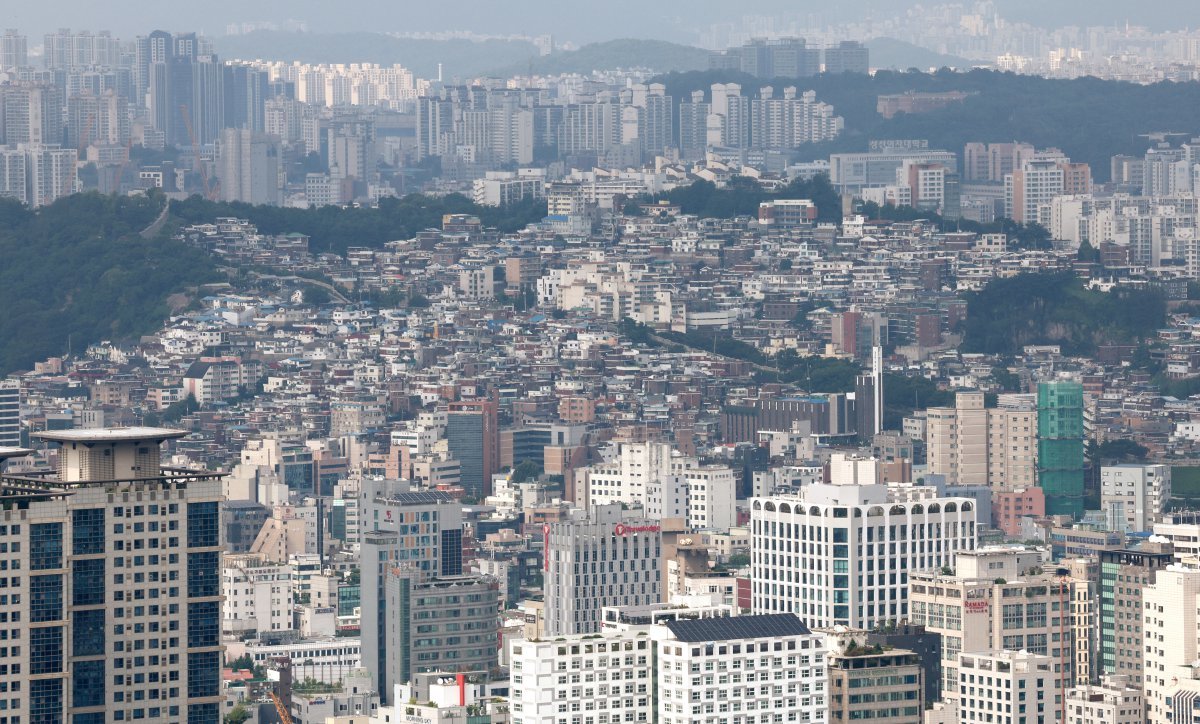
(842,554)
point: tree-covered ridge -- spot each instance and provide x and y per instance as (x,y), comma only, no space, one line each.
(335,228)
(742,195)
(1035,308)
(78,271)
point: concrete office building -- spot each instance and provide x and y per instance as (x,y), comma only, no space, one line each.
(443,624)
(993,601)
(1113,701)
(416,532)
(258,596)
(595,559)
(665,484)
(1015,687)
(1134,497)
(605,677)
(843,554)
(883,686)
(473,435)
(1124,575)
(119,609)
(1182,528)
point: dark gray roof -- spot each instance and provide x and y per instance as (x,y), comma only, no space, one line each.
(737,627)
(422,497)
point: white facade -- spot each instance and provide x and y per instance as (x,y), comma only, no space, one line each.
(258,595)
(595,560)
(601,679)
(1169,629)
(1015,687)
(741,670)
(665,485)
(993,602)
(328,660)
(1113,701)
(1133,497)
(842,554)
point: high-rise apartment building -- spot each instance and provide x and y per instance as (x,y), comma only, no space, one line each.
(250,167)
(32,113)
(971,444)
(1060,446)
(117,615)
(1134,497)
(843,554)
(595,559)
(14,50)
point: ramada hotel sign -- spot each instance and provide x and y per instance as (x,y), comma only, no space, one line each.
(622,529)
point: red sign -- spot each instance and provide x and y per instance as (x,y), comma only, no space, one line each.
(623,529)
(976,606)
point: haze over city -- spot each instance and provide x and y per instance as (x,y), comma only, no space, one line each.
(568,363)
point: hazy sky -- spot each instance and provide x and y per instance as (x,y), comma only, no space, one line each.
(574,20)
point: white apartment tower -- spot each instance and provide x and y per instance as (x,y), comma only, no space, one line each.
(842,554)
(119,603)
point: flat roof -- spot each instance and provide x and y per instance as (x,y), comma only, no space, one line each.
(13,452)
(112,434)
(737,627)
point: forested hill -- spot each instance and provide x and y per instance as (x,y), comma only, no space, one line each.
(334,228)
(78,271)
(1035,308)
(1087,118)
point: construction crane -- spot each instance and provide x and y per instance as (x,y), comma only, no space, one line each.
(210,193)
(284,715)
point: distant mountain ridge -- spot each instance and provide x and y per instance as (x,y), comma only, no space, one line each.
(460,59)
(657,55)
